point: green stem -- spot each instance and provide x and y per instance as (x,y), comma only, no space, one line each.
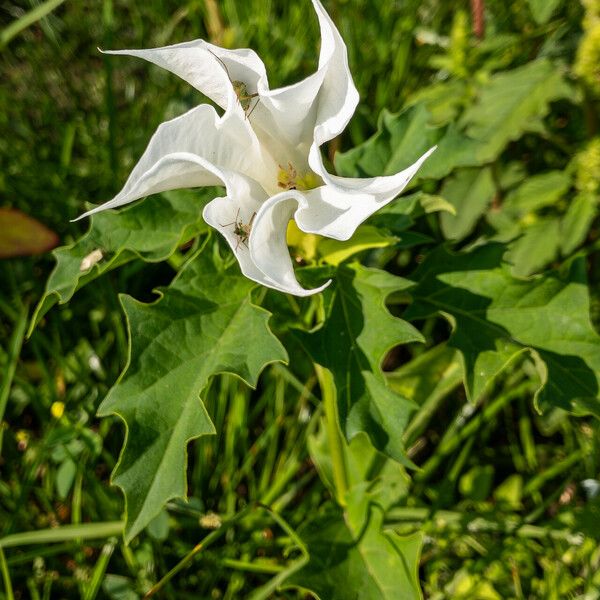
(6,577)
(457,521)
(328,394)
(189,557)
(14,350)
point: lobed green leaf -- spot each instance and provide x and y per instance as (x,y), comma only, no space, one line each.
(352,343)
(496,317)
(203,324)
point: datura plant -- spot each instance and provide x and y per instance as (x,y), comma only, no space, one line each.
(380,284)
(265,150)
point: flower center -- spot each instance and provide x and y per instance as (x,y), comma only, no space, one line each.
(290,179)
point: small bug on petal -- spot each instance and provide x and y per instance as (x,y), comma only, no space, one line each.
(241,229)
(240,89)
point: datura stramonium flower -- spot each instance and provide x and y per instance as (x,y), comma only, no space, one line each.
(265,150)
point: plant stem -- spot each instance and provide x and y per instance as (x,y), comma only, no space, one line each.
(188,558)
(6,577)
(328,394)
(14,350)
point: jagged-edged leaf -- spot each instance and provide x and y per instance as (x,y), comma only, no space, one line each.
(470,191)
(513,102)
(387,479)
(509,104)
(23,235)
(352,556)
(203,324)
(401,138)
(496,317)
(357,333)
(152,230)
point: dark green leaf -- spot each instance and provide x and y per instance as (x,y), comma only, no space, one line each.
(352,557)
(352,343)
(497,317)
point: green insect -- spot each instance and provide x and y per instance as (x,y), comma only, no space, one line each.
(240,229)
(241,90)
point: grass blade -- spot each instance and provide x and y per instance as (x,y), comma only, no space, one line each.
(61,534)
(28,19)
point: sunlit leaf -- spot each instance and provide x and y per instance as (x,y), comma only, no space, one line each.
(203,324)
(514,102)
(366,237)
(470,191)
(151,229)
(405,135)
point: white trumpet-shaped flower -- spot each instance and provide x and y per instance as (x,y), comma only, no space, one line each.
(265,150)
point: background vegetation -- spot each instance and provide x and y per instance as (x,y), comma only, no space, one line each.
(507,498)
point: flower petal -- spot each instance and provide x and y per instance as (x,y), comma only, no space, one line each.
(336,209)
(315,109)
(189,151)
(338,96)
(234,217)
(268,245)
(209,68)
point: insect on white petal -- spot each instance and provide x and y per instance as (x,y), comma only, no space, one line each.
(241,90)
(240,229)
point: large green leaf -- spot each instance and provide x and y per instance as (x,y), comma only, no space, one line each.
(509,104)
(203,324)
(496,317)
(402,138)
(357,333)
(352,556)
(513,102)
(152,230)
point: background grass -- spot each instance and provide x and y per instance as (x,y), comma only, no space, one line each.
(500,493)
